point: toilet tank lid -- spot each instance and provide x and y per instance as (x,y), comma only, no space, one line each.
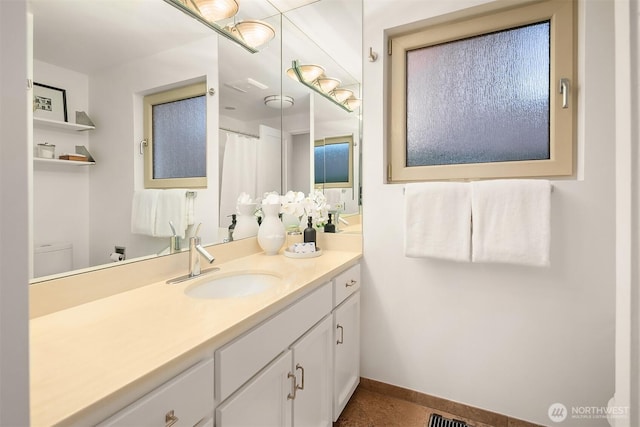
(51,247)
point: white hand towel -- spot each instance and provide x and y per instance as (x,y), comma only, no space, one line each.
(438,220)
(511,221)
(172,206)
(143,211)
(191,202)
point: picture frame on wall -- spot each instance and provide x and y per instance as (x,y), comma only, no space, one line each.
(49,102)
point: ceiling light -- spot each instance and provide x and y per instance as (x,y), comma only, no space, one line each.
(308,72)
(253,33)
(327,84)
(215,10)
(341,95)
(277,101)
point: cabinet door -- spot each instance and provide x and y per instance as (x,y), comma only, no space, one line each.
(263,401)
(312,362)
(346,332)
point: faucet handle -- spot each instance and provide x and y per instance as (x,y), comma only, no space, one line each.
(197,230)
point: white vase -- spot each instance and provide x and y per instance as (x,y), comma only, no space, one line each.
(247,224)
(271,235)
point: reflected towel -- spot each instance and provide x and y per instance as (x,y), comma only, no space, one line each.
(511,221)
(438,220)
(172,206)
(143,211)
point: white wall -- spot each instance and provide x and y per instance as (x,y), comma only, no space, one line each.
(627,390)
(15,181)
(505,338)
(116,108)
(61,192)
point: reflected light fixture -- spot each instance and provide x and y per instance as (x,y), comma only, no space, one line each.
(252,32)
(215,10)
(313,77)
(309,72)
(341,95)
(327,84)
(352,103)
(277,101)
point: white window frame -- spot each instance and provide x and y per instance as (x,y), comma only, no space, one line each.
(562,17)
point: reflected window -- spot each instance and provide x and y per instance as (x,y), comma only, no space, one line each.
(176,135)
(333,162)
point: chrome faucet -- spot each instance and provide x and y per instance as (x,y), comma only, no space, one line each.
(195,250)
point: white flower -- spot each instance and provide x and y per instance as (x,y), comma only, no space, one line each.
(271,198)
(244,199)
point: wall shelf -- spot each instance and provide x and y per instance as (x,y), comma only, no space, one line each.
(62,162)
(47,123)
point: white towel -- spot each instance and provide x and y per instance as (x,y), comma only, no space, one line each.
(511,221)
(143,211)
(438,220)
(191,202)
(172,206)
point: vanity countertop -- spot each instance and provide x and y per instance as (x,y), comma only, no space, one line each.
(83,356)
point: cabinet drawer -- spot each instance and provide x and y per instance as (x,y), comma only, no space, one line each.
(242,358)
(345,284)
(189,395)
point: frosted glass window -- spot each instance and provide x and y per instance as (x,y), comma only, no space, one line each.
(175,129)
(488,95)
(179,139)
(331,163)
(481,99)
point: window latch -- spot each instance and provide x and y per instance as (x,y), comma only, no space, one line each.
(564,90)
(143,144)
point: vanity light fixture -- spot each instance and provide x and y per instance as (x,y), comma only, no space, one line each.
(277,101)
(343,98)
(215,10)
(327,84)
(308,73)
(248,34)
(353,102)
(341,94)
(252,32)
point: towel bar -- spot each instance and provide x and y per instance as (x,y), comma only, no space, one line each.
(193,194)
(404,189)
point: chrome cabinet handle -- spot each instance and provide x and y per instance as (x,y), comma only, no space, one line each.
(350,283)
(170,419)
(293,383)
(341,339)
(301,385)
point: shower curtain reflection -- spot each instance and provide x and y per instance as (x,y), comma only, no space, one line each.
(248,165)
(239,156)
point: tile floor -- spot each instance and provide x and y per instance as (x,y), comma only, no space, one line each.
(376,404)
(368,408)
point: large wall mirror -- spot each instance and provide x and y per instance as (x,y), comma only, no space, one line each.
(145,47)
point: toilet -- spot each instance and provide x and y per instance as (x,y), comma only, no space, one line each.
(52,259)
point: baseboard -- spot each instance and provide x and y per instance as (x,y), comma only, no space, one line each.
(444,405)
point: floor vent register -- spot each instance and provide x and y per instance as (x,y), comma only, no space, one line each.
(436,420)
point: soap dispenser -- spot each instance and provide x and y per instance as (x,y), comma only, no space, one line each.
(329,227)
(232,227)
(310,232)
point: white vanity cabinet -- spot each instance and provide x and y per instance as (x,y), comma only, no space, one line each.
(346,343)
(293,390)
(294,386)
(185,400)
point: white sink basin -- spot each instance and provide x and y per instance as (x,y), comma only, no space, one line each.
(234,286)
